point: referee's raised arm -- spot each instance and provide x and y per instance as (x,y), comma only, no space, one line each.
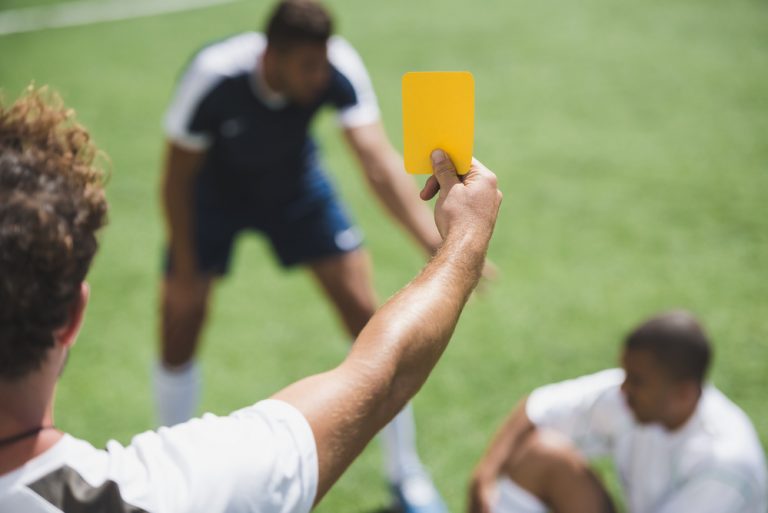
(400,345)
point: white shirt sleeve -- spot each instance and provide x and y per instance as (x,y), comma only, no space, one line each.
(192,88)
(259,459)
(588,410)
(344,57)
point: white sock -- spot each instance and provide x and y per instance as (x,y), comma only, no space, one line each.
(177,392)
(512,498)
(399,443)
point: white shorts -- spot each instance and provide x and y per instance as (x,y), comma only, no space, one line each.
(511,498)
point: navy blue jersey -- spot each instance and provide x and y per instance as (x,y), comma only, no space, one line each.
(259,151)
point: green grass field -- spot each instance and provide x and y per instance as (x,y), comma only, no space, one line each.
(631,143)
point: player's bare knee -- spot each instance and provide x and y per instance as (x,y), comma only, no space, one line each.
(543,455)
(559,454)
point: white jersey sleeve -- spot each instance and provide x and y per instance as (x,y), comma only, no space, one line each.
(588,410)
(190,92)
(365,110)
(258,459)
(189,121)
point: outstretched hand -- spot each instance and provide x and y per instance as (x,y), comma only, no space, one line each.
(466,204)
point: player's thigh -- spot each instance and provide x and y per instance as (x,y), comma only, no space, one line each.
(551,468)
(347,277)
(214,234)
(214,230)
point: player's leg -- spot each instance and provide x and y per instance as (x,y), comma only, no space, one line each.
(177,382)
(549,474)
(184,308)
(346,279)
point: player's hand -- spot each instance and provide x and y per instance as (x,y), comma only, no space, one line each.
(466,205)
(482,493)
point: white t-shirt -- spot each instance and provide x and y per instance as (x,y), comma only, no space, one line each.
(714,463)
(259,459)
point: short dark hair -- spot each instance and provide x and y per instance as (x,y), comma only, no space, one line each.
(295,22)
(677,341)
(51,205)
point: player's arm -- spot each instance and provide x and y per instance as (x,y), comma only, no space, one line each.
(400,345)
(180,168)
(501,450)
(383,168)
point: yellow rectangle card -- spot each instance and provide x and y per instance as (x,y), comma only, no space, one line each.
(438,112)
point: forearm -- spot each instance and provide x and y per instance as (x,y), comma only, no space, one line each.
(389,361)
(501,451)
(402,342)
(413,328)
(500,455)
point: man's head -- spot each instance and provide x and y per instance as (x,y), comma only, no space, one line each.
(51,205)
(666,360)
(296,56)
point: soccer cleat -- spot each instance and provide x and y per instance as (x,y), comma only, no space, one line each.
(417,494)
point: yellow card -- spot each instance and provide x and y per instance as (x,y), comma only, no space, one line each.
(438,112)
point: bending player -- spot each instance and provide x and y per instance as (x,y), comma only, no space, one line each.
(678,444)
(240,157)
(279,455)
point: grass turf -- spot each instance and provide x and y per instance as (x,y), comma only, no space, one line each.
(630,142)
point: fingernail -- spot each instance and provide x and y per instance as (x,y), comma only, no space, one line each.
(438,156)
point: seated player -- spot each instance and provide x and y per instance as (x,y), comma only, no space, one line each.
(679,445)
(279,455)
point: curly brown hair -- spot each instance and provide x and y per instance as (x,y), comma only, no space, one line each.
(52,204)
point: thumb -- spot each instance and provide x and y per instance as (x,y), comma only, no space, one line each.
(444,170)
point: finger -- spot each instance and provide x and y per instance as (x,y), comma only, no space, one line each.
(430,189)
(444,170)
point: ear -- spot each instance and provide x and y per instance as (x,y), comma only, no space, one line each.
(67,334)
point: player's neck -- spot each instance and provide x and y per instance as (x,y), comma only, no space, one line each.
(26,404)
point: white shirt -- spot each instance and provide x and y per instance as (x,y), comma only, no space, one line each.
(258,459)
(714,463)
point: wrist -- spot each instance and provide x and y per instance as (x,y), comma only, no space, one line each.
(470,239)
(464,253)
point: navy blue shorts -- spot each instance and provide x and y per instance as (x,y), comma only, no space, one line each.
(301,232)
